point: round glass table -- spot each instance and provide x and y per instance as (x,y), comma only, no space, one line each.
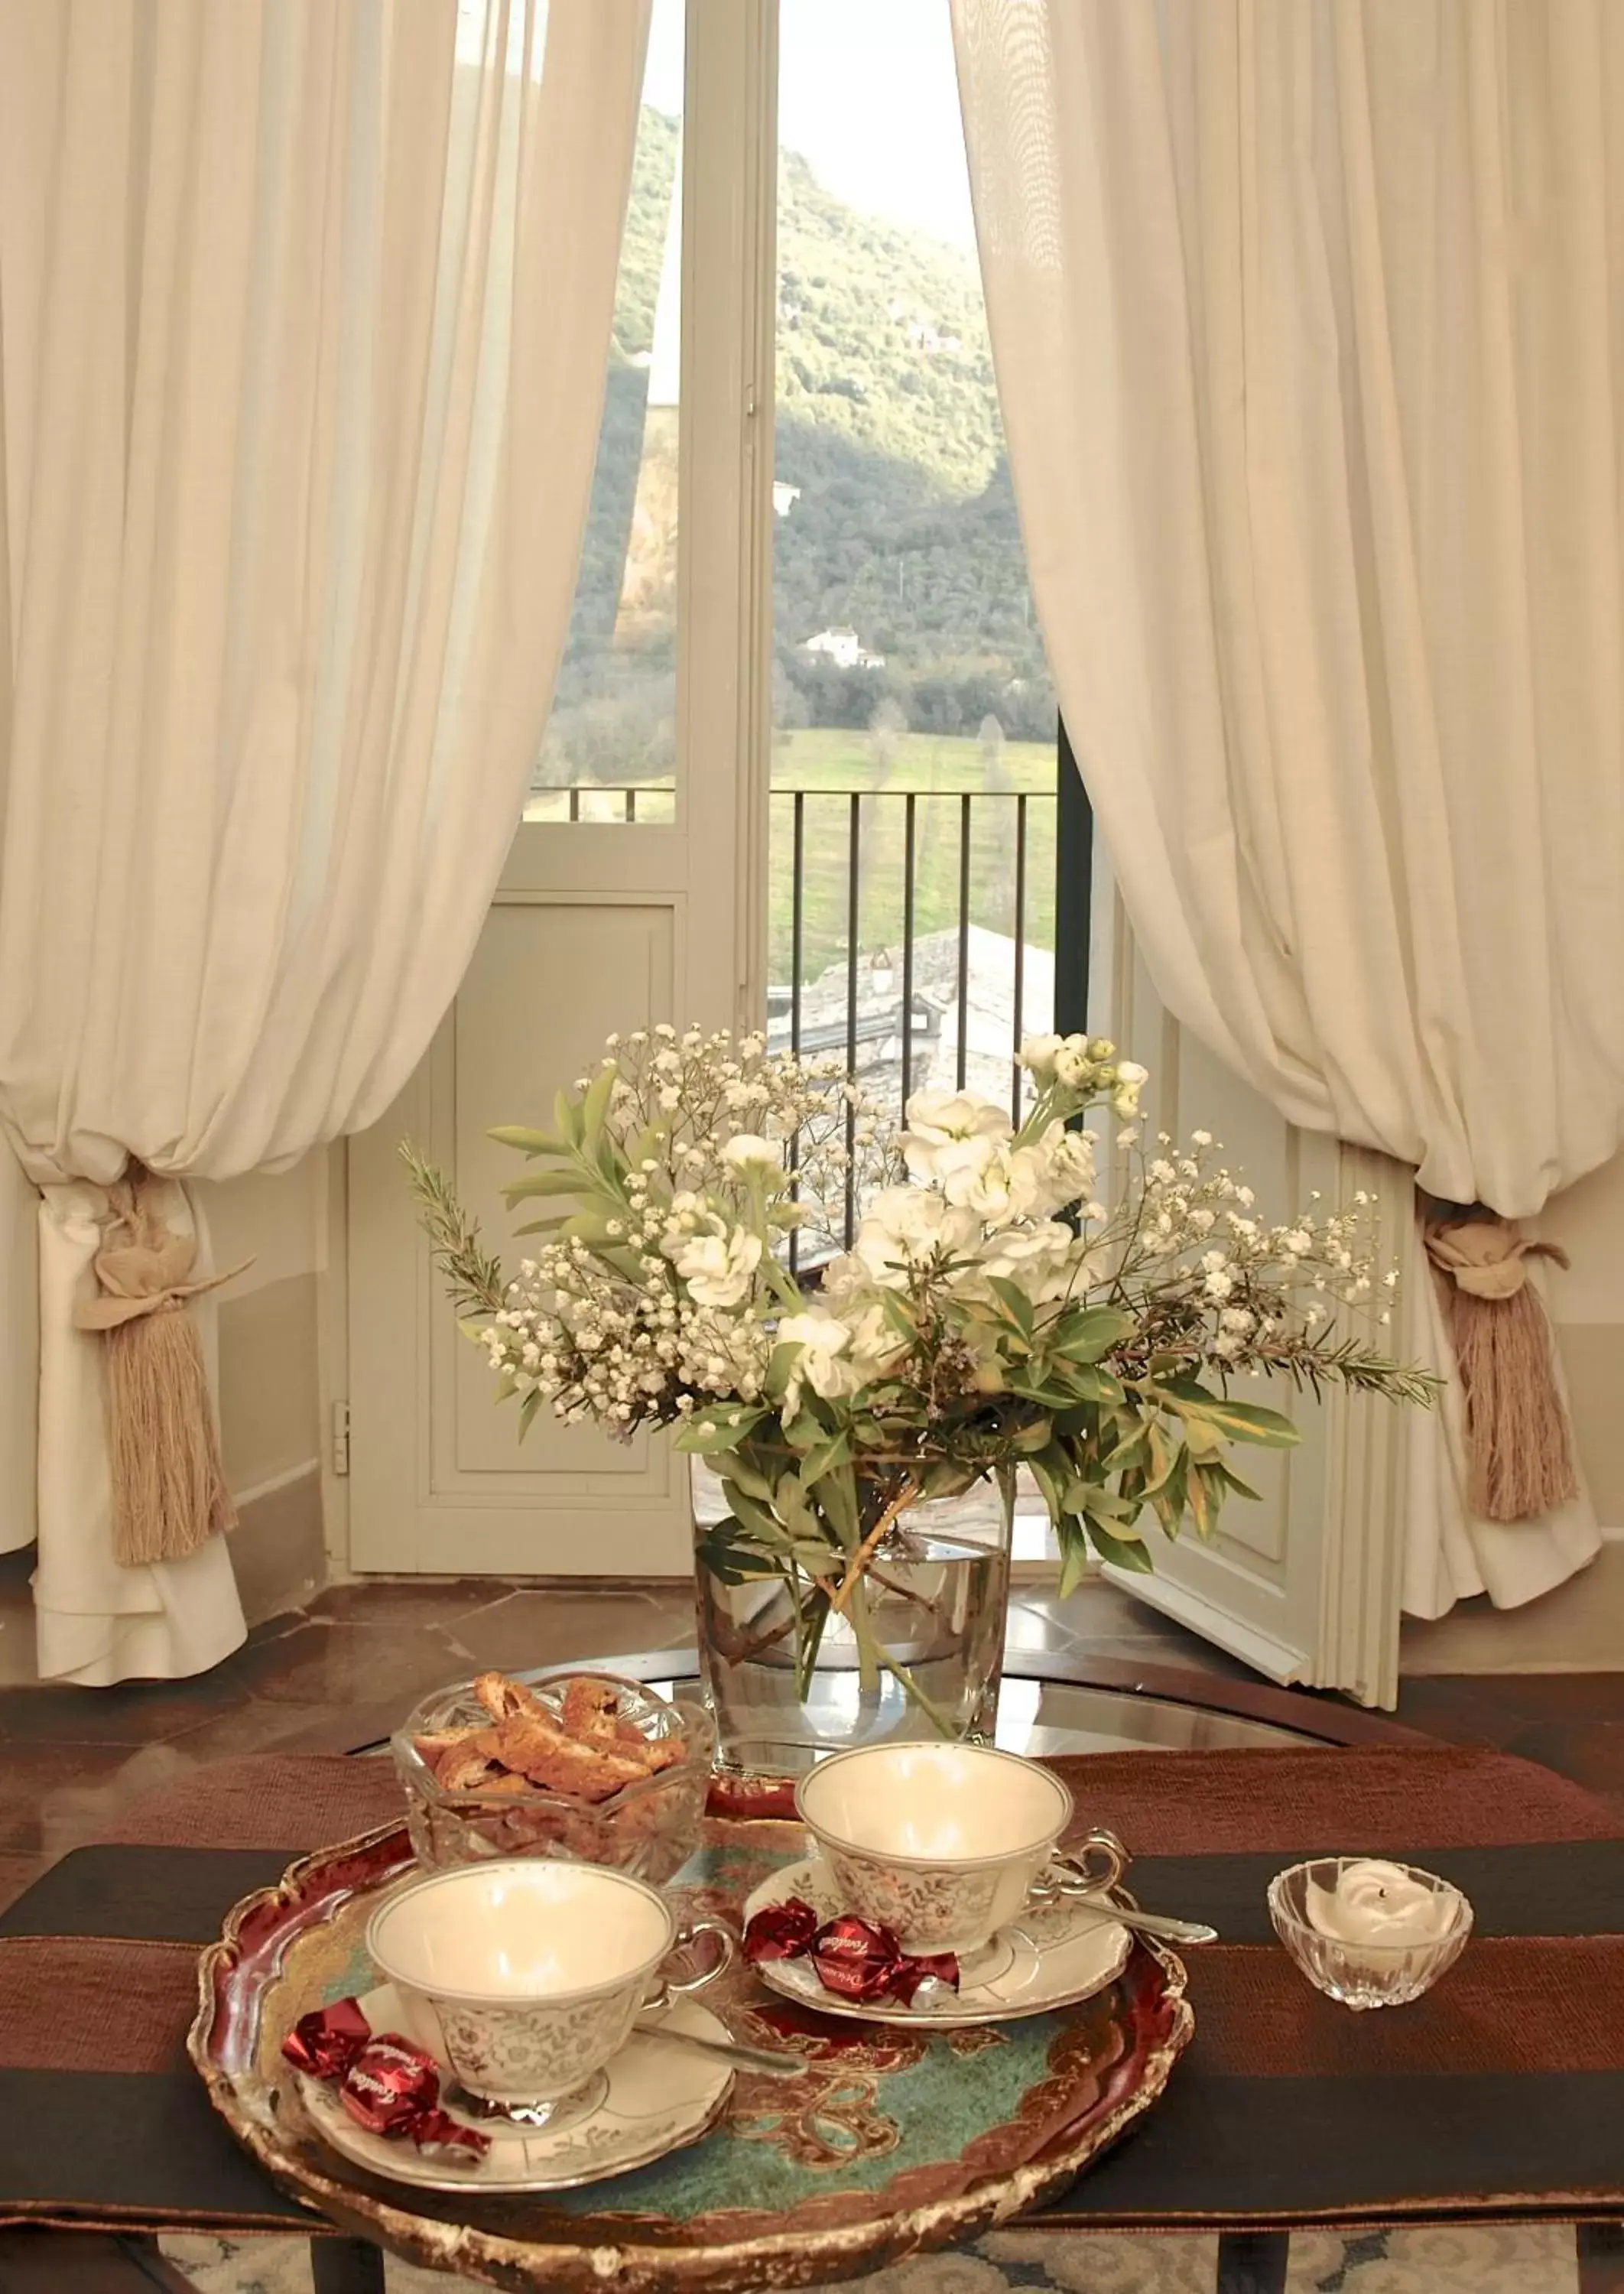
(1052,1702)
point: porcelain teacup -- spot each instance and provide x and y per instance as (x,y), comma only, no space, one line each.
(526,1975)
(942,1843)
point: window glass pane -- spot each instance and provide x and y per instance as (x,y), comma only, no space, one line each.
(914,717)
(610,751)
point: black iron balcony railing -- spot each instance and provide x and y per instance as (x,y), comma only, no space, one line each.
(921,934)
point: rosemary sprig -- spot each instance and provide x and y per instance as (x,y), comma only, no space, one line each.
(473,1277)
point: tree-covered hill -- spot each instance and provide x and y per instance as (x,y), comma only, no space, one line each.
(903,527)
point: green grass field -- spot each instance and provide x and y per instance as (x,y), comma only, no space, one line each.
(827,763)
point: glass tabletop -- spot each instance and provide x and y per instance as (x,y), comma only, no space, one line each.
(1039,1715)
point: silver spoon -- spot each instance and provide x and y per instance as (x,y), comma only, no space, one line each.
(1160,1925)
(750,2059)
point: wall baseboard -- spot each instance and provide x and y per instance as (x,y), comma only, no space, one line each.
(1578,1628)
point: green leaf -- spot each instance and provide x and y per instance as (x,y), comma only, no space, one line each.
(837,1495)
(1237,1421)
(543,1182)
(567,1119)
(834,1449)
(896,1315)
(1123,1552)
(1074,1554)
(708,1431)
(1014,1299)
(1134,1449)
(1168,1501)
(595,1106)
(729,1553)
(1087,1332)
(544,1226)
(506,1384)
(528,1143)
(527,1411)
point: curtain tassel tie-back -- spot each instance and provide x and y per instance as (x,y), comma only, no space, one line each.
(1519,1443)
(168,1490)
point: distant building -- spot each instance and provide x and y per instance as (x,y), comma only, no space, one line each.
(845,648)
(784,497)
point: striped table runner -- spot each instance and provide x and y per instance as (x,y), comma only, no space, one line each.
(1500,2094)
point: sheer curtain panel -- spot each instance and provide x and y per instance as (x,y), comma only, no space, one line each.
(1309,324)
(305,308)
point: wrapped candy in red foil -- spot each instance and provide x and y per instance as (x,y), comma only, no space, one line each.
(857,1958)
(390,2084)
(327,2041)
(387,2084)
(780,1931)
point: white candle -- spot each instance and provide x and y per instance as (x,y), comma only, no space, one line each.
(1374,1903)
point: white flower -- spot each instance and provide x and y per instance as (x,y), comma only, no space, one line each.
(873,1341)
(940,1120)
(1064,1162)
(1074,1064)
(821,1339)
(1219,1285)
(996,1182)
(1130,1080)
(717,1268)
(1298,1241)
(1237,1318)
(1037,1056)
(747,1151)
(904,1226)
(1163,1172)
(1200,1138)
(1045,1261)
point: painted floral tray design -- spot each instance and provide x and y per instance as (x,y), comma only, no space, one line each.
(894,2141)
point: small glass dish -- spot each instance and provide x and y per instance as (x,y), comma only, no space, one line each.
(649,1828)
(1363,1974)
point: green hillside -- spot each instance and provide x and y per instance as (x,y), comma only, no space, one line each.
(904,528)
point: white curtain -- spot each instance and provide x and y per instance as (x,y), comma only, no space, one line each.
(1308,325)
(304,307)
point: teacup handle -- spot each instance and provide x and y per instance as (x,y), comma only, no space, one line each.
(665,1989)
(1090,1867)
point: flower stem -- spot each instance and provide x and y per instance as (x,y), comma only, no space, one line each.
(859,1560)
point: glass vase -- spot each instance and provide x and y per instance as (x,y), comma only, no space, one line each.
(917,1651)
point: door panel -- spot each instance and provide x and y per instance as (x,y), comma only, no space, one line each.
(1303,1584)
(598,927)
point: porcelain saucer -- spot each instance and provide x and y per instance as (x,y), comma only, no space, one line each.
(660,2095)
(1049,1958)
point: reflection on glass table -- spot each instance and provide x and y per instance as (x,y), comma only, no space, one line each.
(1042,1717)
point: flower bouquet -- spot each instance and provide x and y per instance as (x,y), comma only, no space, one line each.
(972,1312)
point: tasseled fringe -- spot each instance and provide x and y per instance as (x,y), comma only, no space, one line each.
(169,1488)
(1519,1445)
(169,1492)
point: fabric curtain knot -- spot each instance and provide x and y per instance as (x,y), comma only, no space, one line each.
(1486,1258)
(1519,1443)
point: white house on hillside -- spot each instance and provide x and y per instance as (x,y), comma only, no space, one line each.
(845,648)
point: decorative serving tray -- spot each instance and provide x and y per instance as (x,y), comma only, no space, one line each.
(893,2143)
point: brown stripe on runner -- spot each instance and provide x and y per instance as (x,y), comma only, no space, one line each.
(265,1801)
(1368,1800)
(84,2005)
(1508,2005)
(1377,1799)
